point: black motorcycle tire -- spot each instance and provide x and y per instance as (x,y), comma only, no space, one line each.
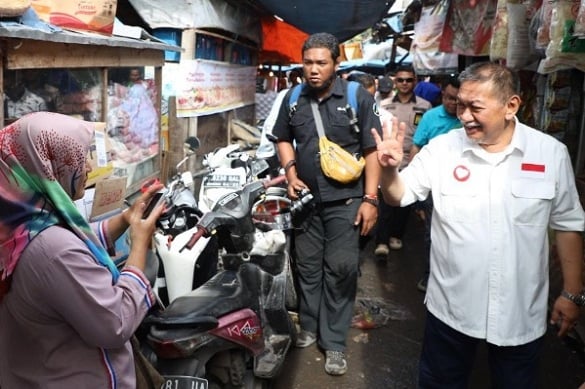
(253,382)
(240,367)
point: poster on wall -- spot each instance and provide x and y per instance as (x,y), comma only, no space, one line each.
(207,87)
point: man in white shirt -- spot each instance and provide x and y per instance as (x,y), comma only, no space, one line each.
(497,186)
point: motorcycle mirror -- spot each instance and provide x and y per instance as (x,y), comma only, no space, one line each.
(192,143)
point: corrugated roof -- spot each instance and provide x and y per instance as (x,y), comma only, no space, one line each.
(16,30)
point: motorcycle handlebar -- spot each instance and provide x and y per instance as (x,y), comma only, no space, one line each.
(215,218)
(194,238)
(201,173)
(275,181)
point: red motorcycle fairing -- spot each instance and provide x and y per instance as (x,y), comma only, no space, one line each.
(242,327)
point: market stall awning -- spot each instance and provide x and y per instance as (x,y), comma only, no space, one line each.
(281,42)
(203,14)
(342,18)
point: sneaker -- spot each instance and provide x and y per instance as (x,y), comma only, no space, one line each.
(335,363)
(305,339)
(422,284)
(381,250)
(395,244)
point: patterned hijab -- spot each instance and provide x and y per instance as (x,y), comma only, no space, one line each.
(42,160)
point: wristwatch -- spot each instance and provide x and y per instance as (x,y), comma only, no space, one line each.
(578,299)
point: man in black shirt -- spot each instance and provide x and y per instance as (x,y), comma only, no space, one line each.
(327,246)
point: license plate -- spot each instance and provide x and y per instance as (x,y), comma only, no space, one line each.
(223,181)
(184,382)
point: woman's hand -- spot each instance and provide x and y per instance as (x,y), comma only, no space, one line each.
(118,224)
(140,204)
(142,229)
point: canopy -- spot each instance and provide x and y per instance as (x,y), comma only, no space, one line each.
(281,43)
(342,18)
(204,14)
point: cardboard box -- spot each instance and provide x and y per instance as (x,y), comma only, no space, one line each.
(109,197)
(87,15)
(101,165)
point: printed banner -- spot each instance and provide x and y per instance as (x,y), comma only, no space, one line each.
(206,87)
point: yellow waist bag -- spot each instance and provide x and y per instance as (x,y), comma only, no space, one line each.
(336,162)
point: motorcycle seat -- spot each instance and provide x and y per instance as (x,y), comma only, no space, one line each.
(225,292)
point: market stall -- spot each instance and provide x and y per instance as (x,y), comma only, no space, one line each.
(88,75)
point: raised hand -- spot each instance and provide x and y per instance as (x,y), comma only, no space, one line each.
(390,152)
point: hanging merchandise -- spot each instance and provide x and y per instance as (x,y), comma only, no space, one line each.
(499,40)
(543,20)
(557,99)
(426,56)
(468,28)
(564,50)
(580,21)
(519,53)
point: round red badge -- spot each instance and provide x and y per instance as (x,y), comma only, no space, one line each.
(461,173)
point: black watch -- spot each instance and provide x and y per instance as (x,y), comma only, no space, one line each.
(578,299)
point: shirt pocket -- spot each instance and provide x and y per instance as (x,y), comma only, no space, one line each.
(459,203)
(531,201)
(302,127)
(341,131)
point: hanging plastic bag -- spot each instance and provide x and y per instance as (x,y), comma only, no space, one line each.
(426,57)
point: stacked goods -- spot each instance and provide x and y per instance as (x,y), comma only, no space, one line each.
(12,8)
(87,15)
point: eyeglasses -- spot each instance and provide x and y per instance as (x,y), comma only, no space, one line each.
(401,80)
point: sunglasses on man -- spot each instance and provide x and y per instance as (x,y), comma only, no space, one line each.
(401,80)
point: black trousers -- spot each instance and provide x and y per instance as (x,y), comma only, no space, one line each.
(448,356)
(392,222)
(327,262)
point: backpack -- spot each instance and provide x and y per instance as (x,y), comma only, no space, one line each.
(351,108)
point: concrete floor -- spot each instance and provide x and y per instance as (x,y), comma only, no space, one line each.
(387,357)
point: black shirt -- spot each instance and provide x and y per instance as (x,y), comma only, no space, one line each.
(336,122)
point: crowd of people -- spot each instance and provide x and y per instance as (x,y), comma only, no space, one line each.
(491,190)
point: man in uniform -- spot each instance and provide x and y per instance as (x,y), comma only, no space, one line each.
(407,108)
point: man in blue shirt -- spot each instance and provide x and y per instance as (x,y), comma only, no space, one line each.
(438,120)
(434,122)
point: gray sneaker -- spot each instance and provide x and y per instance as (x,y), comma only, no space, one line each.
(335,363)
(306,338)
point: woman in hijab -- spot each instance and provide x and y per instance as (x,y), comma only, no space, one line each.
(66,312)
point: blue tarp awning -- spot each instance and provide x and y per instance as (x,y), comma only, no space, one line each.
(342,18)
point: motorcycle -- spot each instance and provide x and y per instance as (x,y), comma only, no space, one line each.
(235,330)
(225,170)
(181,272)
(230,168)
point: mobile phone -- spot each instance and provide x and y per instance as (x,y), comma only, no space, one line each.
(156,199)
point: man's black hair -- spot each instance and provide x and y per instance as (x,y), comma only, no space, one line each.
(450,80)
(405,68)
(323,40)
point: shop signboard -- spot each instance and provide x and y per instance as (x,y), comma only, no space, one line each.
(205,87)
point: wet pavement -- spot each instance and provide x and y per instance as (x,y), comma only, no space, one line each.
(387,357)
